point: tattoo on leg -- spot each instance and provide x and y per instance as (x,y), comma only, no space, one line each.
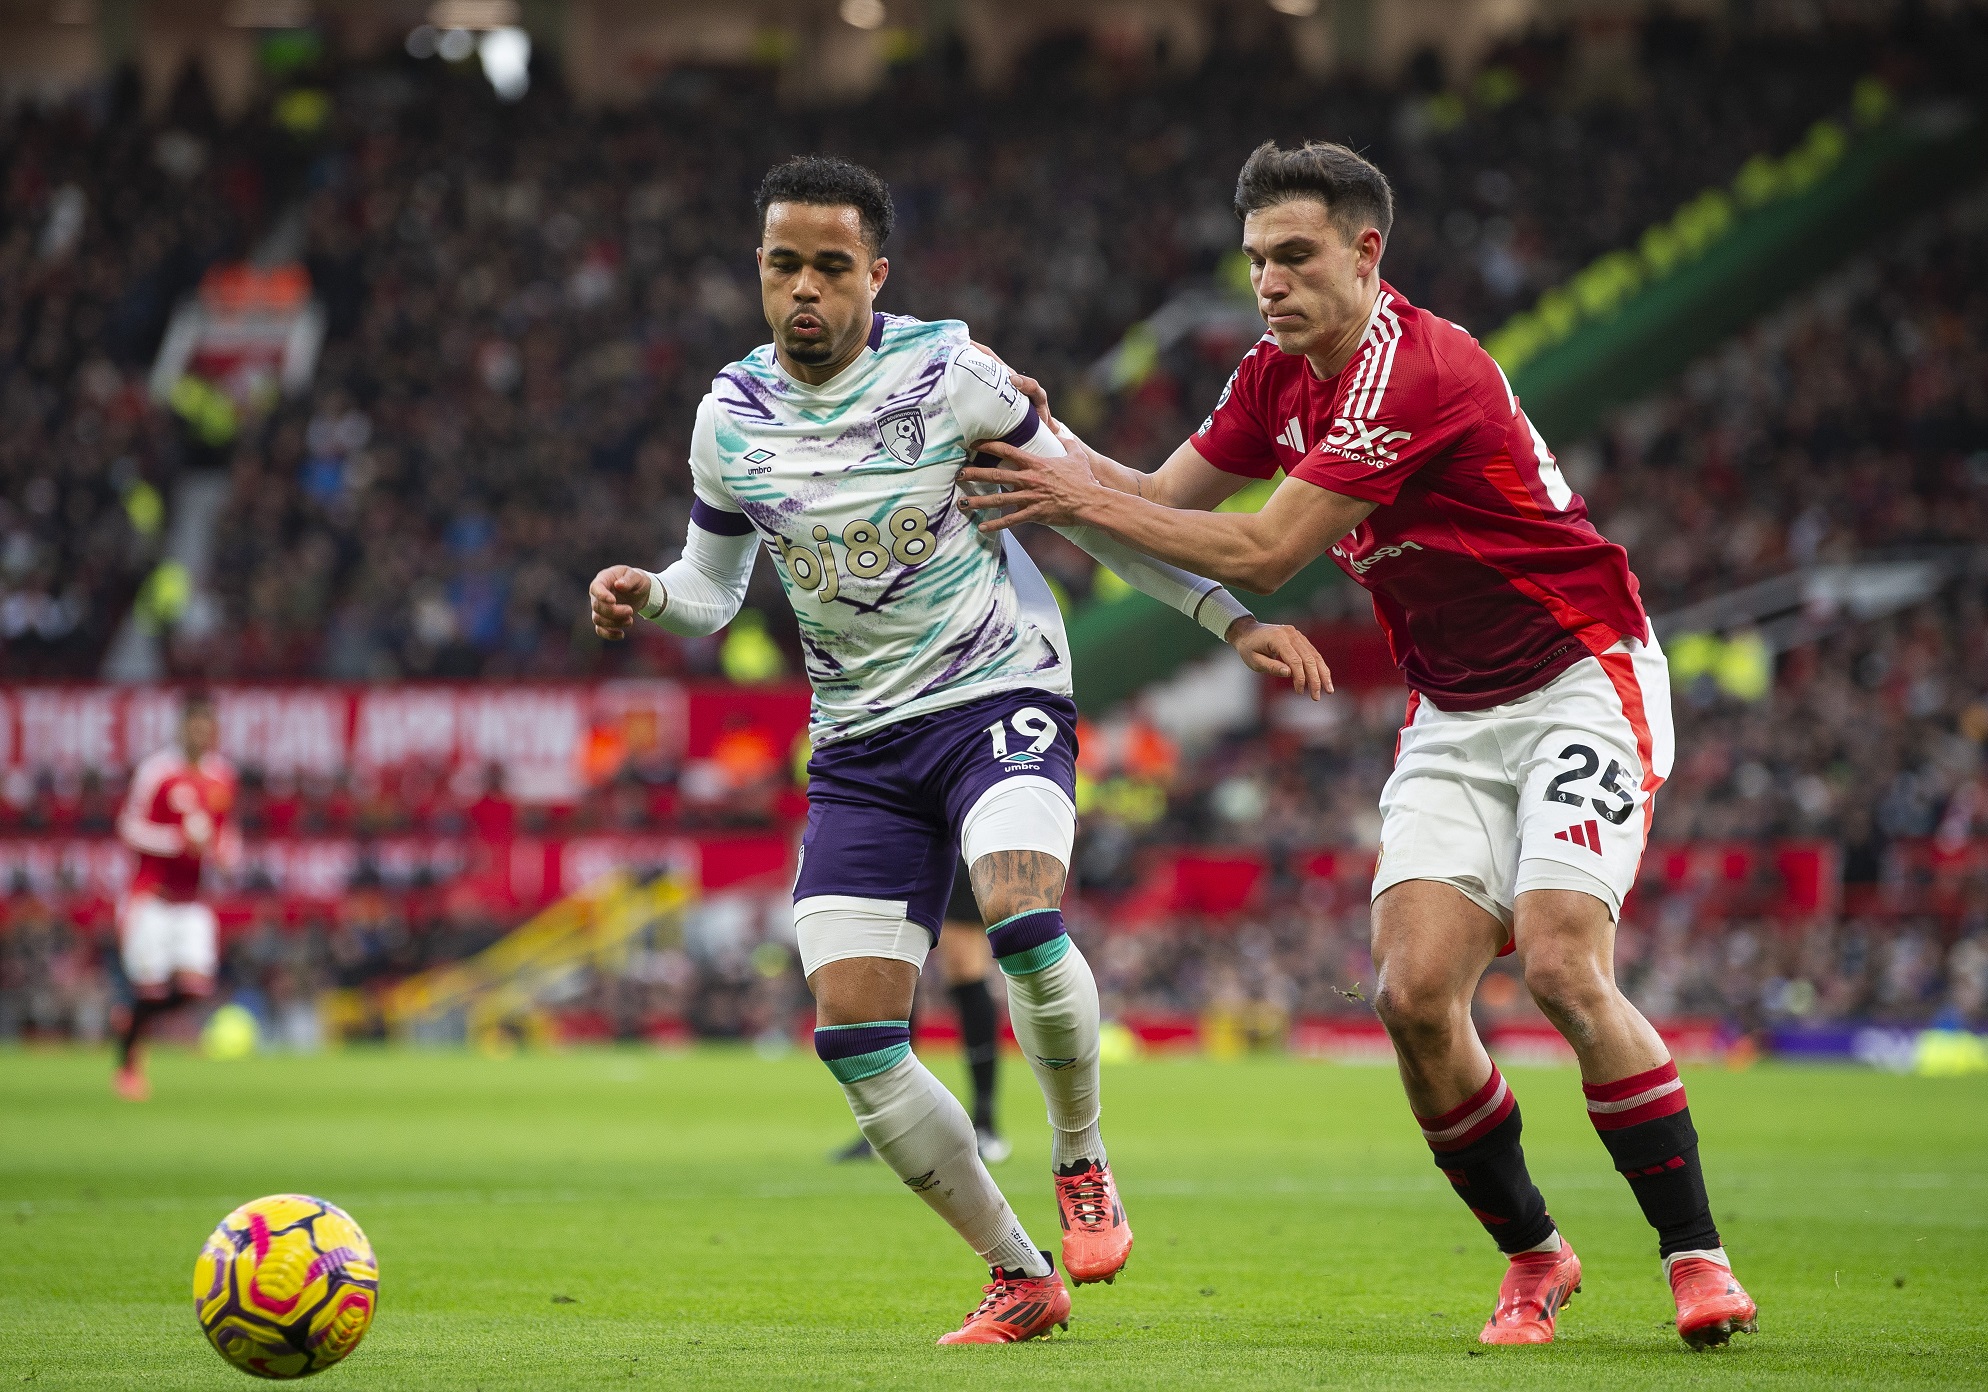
(1010,882)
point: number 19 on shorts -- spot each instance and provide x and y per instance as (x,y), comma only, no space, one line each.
(1027,724)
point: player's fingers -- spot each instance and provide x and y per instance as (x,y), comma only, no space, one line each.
(1003,522)
(997,476)
(971,503)
(1304,674)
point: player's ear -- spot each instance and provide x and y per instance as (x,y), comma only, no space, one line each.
(879,273)
(1369,246)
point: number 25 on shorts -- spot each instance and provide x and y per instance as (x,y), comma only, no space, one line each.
(1030,724)
(1611,782)
(866,553)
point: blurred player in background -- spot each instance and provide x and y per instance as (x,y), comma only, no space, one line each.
(175,817)
(1538,723)
(964,961)
(942,721)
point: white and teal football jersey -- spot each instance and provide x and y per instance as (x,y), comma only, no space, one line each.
(905,606)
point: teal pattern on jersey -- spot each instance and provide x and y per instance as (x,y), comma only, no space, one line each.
(904,605)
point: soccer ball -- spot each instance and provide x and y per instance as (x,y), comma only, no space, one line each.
(286,1286)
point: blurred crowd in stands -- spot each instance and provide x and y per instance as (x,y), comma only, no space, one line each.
(525,303)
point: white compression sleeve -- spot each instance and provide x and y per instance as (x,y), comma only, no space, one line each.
(1201,599)
(702,592)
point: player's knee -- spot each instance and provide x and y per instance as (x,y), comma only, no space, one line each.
(857,1052)
(1567,983)
(1420,1016)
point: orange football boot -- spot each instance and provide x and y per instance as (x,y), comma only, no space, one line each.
(1535,1287)
(1710,1303)
(130,1084)
(1015,1308)
(1096,1237)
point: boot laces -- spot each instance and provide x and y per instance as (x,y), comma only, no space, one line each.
(1090,1199)
(993,1297)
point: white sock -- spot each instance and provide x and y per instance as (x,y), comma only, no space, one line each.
(1055,1014)
(1549,1243)
(919,1129)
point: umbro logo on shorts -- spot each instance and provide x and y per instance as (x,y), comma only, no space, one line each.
(1583,834)
(1022,759)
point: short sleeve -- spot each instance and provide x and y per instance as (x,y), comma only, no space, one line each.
(1233,438)
(984,399)
(1384,434)
(713,508)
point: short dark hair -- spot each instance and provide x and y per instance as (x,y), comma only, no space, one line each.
(196,700)
(1356,194)
(829,181)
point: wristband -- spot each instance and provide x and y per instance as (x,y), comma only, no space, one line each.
(1218,610)
(658,597)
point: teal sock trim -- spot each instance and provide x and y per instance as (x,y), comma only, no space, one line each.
(1035,959)
(856,1069)
(870,1024)
(992,927)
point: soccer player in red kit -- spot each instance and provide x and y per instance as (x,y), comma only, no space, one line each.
(1538,722)
(174,817)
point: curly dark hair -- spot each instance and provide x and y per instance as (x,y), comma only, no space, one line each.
(832,182)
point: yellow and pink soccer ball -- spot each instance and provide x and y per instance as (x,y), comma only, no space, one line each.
(286,1286)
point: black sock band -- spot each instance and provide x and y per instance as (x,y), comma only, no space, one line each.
(1476,1145)
(1647,1128)
(143,1011)
(980,1040)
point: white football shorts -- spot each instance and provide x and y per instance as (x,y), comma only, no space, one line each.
(1550,791)
(162,939)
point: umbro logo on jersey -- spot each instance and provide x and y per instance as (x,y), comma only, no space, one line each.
(1293,435)
(1362,440)
(759,456)
(1586,835)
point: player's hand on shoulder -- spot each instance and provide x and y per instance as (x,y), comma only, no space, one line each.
(616,595)
(1281,651)
(1051,489)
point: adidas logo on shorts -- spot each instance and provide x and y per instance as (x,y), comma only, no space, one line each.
(1583,834)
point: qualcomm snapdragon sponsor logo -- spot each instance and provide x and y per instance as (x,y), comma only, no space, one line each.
(1366,441)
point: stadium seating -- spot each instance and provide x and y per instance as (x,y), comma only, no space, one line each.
(503,402)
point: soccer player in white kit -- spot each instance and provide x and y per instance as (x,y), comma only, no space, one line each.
(175,816)
(942,712)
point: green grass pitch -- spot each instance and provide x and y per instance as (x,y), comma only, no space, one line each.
(1291,1229)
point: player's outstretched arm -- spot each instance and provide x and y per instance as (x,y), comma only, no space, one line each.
(1255,551)
(1186,480)
(698,595)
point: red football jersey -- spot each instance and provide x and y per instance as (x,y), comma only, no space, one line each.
(1486,574)
(170,798)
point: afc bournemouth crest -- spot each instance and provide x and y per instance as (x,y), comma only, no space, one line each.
(903,433)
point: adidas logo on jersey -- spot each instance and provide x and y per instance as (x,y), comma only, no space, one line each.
(1293,435)
(1586,835)
(1362,440)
